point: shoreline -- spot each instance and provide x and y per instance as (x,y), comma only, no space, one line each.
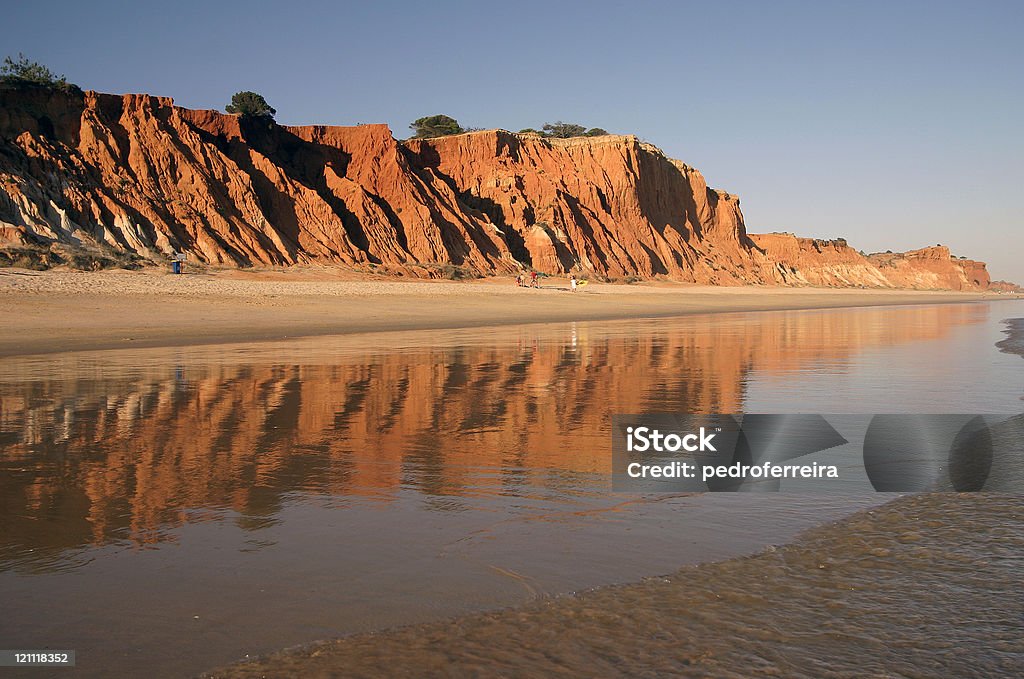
(59,311)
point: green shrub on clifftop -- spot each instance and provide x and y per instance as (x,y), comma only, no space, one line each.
(562,130)
(250,105)
(33,74)
(435,126)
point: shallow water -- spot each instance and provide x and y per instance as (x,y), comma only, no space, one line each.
(169,510)
(927,586)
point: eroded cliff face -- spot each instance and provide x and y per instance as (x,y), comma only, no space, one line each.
(833,263)
(933,267)
(812,261)
(140,175)
(611,204)
(1004,286)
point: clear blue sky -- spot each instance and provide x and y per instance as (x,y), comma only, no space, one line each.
(893,124)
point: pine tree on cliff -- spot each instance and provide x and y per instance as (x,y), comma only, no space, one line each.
(562,130)
(435,126)
(250,105)
(32,74)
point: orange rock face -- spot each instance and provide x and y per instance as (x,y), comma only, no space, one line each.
(611,205)
(932,267)
(1004,286)
(139,174)
(833,263)
(811,261)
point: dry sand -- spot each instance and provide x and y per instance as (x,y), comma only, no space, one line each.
(55,311)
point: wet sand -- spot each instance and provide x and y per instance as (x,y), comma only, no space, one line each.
(1014,342)
(925,586)
(342,485)
(261,425)
(55,311)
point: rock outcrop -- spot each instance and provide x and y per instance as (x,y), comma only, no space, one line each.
(932,267)
(139,174)
(833,263)
(812,261)
(1004,286)
(136,174)
(612,205)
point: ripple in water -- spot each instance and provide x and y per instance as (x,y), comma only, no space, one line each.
(928,585)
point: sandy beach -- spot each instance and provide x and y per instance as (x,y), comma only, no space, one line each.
(55,311)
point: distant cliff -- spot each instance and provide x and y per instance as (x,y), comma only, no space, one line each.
(140,175)
(833,263)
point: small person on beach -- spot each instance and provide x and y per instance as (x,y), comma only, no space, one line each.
(572,282)
(533,279)
(519,279)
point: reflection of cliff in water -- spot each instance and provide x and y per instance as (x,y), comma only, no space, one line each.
(116,445)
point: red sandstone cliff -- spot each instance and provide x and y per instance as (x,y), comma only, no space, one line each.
(932,267)
(833,263)
(611,204)
(141,175)
(1004,286)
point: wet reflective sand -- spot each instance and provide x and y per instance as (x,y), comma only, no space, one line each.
(927,586)
(159,508)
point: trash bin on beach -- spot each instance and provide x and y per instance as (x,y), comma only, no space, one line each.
(175,266)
